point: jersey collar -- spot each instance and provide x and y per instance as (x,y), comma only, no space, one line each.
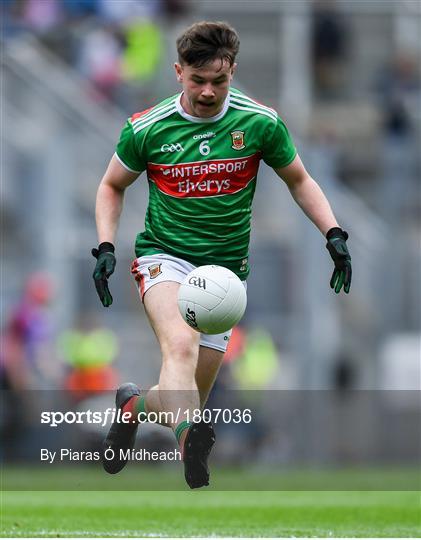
(197,119)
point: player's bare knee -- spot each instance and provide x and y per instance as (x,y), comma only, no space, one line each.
(181,349)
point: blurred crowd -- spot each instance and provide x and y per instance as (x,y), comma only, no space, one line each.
(35,356)
(116,46)
(120,48)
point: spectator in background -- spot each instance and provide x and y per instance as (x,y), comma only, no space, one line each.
(116,45)
(99,60)
(25,359)
(123,12)
(399,96)
(143,51)
(90,353)
(329,46)
(42,16)
(399,88)
(174,8)
(120,51)
(36,17)
(26,338)
(79,9)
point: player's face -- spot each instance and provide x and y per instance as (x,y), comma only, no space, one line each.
(204,88)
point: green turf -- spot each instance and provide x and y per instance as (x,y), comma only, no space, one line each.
(137,476)
(212,513)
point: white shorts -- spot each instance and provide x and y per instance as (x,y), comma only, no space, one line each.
(152,269)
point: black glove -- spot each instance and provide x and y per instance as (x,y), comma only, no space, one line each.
(336,244)
(104,268)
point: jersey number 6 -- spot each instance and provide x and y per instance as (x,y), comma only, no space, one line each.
(204,148)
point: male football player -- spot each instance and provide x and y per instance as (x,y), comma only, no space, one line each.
(201,151)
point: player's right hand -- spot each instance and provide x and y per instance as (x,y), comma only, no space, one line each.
(104,267)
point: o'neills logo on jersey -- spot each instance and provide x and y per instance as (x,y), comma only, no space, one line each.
(204,178)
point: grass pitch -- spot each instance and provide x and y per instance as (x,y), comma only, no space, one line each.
(230,513)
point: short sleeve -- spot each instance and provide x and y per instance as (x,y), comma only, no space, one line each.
(128,151)
(278,148)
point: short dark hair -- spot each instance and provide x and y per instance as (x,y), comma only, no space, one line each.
(206,41)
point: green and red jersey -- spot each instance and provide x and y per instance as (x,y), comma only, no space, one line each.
(202,176)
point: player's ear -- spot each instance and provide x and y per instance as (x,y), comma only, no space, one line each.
(233,68)
(178,71)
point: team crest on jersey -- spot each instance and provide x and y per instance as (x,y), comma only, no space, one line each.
(155,270)
(237,139)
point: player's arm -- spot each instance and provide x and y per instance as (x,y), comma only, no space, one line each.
(109,204)
(308,195)
(311,199)
(109,199)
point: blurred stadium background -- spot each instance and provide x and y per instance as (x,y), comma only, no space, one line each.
(345,76)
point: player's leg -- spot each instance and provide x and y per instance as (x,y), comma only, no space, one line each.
(207,369)
(178,393)
(208,365)
(150,272)
(177,389)
(196,469)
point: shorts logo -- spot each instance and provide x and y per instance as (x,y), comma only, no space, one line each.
(237,137)
(155,270)
(172,148)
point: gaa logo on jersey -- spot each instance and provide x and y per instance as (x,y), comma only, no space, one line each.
(176,147)
(237,139)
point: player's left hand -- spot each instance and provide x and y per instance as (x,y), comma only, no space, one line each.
(336,245)
(104,267)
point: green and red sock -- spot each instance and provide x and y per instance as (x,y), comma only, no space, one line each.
(136,406)
(180,433)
